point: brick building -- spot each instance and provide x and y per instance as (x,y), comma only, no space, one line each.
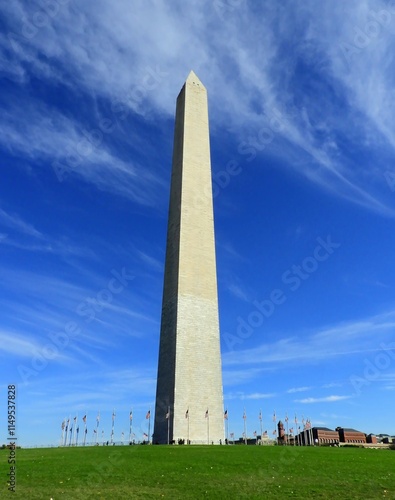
(351,436)
(371,438)
(325,436)
(317,436)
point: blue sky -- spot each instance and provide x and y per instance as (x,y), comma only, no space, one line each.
(302,111)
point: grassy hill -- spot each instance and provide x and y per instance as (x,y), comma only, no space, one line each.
(227,472)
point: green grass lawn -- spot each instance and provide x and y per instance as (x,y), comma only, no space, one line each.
(201,472)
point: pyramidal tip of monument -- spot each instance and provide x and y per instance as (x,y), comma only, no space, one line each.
(194,79)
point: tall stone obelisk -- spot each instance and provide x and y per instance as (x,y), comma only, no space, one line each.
(189,395)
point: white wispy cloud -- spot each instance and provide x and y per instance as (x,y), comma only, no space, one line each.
(12,343)
(298,389)
(332,384)
(242,395)
(22,346)
(326,399)
(53,138)
(233,376)
(238,292)
(13,221)
(344,339)
(95,46)
(258,395)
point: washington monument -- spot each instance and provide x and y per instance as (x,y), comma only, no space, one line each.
(189,395)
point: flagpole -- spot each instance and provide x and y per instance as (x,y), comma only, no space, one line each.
(245,426)
(65,433)
(208,426)
(112,427)
(286,419)
(311,437)
(130,425)
(168,425)
(311,431)
(73,433)
(260,422)
(149,427)
(76,431)
(61,439)
(85,430)
(188,424)
(97,425)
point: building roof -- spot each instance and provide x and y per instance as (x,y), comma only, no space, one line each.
(323,429)
(350,430)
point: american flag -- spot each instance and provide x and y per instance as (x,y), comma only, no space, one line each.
(168,415)
(274,432)
(274,416)
(244,415)
(226,415)
(206,415)
(63,425)
(145,434)
(148,414)
(291,430)
(254,433)
(286,418)
(260,415)
(131,415)
(84,419)
(113,415)
(232,434)
(187,413)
